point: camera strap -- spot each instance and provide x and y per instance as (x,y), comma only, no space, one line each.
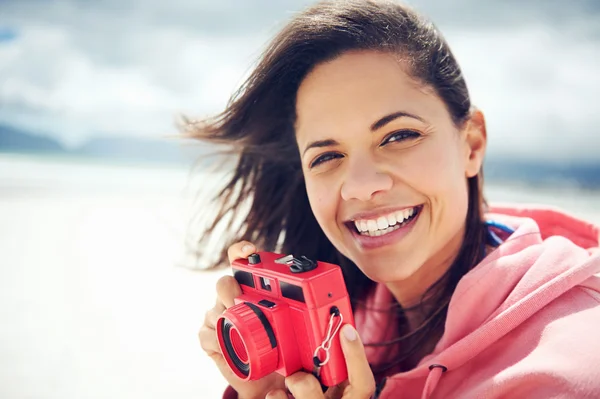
(332,329)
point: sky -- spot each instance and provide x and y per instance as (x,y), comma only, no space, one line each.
(73,69)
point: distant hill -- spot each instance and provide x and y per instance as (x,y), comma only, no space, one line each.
(133,149)
(16,140)
(181,152)
(113,148)
(583,175)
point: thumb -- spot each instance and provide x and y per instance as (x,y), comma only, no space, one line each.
(360,376)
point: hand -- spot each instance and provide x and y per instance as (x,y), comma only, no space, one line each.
(360,384)
(227,290)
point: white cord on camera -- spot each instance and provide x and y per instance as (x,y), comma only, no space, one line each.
(326,344)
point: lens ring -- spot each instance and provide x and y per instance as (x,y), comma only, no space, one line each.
(238,344)
(240,365)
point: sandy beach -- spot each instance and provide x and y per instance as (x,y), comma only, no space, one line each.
(94,301)
(97,295)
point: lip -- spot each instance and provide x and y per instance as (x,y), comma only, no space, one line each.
(367,242)
(373,215)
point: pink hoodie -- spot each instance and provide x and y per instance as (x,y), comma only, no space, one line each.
(524,323)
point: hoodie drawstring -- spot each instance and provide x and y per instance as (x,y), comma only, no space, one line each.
(435,373)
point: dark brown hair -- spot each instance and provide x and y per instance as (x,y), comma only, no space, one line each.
(266,190)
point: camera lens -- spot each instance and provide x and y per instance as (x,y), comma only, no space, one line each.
(248,341)
(235,347)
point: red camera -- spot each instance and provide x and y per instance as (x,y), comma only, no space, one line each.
(287,319)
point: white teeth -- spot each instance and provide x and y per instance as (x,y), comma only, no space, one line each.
(391,219)
(372,225)
(399,216)
(381,232)
(364,226)
(361,225)
(382,223)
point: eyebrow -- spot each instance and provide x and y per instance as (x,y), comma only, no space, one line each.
(320,144)
(388,118)
(374,127)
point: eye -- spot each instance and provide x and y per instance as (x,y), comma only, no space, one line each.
(400,136)
(328,156)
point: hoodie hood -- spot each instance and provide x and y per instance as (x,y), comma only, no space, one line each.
(549,253)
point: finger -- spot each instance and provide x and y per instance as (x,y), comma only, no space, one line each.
(208,340)
(227,290)
(360,376)
(277,394)
(304,386)
(337,391)
(240,250)
(219,305)
(211,317)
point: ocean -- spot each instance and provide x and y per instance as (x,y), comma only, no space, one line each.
(98,293)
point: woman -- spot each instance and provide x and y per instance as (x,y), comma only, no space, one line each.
(358,145)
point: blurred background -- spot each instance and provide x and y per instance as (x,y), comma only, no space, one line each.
(99,290)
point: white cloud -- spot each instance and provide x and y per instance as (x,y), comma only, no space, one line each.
(129,67)
(539,88)
(50,84)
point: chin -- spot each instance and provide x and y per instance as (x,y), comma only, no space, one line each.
(388,271)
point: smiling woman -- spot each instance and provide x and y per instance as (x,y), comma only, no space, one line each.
(358,145)
(374,167)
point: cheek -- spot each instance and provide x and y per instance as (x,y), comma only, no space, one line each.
(434,169)
(444,183)
(322,199)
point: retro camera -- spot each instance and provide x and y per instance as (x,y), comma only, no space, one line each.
(287,319)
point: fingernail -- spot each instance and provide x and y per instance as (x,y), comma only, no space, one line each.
(247,248)
(349,332)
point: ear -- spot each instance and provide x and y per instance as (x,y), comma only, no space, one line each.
(475,142)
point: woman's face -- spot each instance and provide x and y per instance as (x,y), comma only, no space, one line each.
(385,167)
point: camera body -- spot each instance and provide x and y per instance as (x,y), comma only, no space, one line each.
(286,319)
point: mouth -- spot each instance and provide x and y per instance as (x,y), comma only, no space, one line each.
(384,224)
(385,229)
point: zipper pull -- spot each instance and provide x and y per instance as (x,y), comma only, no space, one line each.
(379,388)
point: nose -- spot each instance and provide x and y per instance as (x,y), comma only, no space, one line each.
(363,180)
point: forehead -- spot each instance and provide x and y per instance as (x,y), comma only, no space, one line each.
(360,87)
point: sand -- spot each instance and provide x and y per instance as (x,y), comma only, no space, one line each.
(94,302)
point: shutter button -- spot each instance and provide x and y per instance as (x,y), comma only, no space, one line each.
(254,259)
(302,264)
